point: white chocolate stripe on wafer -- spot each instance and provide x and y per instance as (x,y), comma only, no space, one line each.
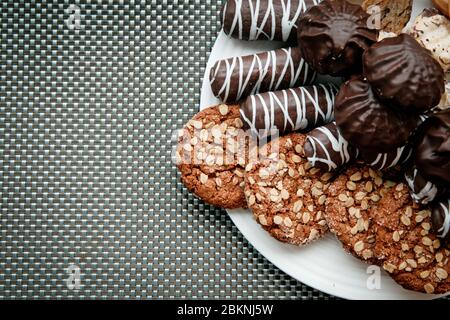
(446,226)
(281,23)
(299,107)
(382,159)
(339,146)
(426,194)
(234,78)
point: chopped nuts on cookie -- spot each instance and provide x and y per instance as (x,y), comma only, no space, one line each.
(286,195)
(211,156)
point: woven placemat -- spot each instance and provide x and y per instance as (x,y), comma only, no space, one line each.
(91,204)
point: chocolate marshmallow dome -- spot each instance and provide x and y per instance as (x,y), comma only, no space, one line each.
(333,37)
(404,74)
(369,124)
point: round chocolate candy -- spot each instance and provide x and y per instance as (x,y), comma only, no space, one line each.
(432,149)
(404,73)
(333,36)
(367,123)
(440,218)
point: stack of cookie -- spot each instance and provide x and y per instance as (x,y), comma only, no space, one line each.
(369,160)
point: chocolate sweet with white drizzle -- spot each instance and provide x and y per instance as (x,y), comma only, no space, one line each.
(302,108)
(388,160)
(326,149)
(382,161)
(236,78)
(421,190)
(263,19)
(440,218)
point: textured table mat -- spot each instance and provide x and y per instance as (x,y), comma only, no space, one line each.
(91,205)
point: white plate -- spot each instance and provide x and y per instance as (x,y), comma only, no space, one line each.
(323,265)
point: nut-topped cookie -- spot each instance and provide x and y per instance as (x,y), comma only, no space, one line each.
(287,196)
(405,245)
(211,156)
(350,198)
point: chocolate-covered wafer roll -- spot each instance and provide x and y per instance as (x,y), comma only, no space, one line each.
(236,78)
(289,110)
(263,19)
(388,160)
(440,218)
(421,190)
(325,148)
(399,156)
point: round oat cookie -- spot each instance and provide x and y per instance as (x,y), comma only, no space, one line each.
(350,198)
(413,256)
(211,156)
(285,193)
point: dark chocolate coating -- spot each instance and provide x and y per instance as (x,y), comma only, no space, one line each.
(333,37)
(263,19)
(236,78)
(421,190)
(288,110)
(382,161)
(326,149)
(397,157)
(440,218)
(367,123)
(432,149)
(401,71)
